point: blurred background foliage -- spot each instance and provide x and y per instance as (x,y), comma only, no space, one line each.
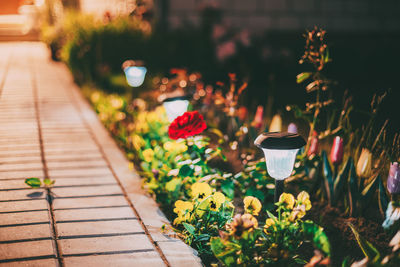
(93,48)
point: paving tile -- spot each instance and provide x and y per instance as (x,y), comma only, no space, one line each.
(32,263)
(26,249)
(28,194)
(105,244)
(88,202)
(25,232)
(21,166)
(94,213)
(80,171)
(21,174)
(87,191)
(13,184)
(179,254)
(76,164)
(23,205)
(143,259)
(91,180)
(24,217)
(99,228)
(72,157)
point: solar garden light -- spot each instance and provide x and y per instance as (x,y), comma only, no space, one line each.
(135,72)
(280,149)
(175,106)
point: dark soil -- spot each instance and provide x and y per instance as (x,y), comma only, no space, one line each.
(343,242)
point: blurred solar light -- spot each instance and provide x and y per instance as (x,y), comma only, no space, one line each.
(135,72)
(175,106)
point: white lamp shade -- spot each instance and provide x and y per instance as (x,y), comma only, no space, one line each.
(175,108)
(135,75)
(280,162)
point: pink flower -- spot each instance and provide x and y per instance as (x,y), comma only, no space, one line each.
(258,118)
(314,145)
(393,181)
(337,151)
(292,128)
(226,50)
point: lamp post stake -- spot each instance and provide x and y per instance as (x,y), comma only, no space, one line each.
(279,185)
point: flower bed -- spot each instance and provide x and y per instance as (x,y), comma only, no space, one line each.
(212,182)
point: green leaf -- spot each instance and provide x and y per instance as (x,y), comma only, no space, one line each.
(318,236)
(224,251)
(383,198)
(33,182)
(203,237)
(272,216)
(186,171)
(190,228)
(353,190)
(340,180)
(303,76)
(367,248)
(172,185)
(252,191)
(48,182)
(228,188)
(369,191)
(346,262)
(328,177)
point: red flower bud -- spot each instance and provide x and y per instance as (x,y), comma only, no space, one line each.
(337,150)
(314,145)
(189,124)
(258,118)
(242,113)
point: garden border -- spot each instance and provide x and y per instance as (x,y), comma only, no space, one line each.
(172,250)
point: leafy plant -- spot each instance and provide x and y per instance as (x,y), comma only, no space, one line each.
(279,241)
(37,182)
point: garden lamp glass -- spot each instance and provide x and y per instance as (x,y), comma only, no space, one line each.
(280,150)
(135,72)
(175,106)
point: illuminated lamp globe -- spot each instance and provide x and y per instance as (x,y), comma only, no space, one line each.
(280,150)
(135,72)
(175,106)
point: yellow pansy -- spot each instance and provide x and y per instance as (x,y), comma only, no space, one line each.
(250,218)
(182,209)
(268,223)
(103,116)
(116,102)
(298,212)
(216,201)
(137,141)
(287,199)
(95,97)
(303,198)
(201,190)
(148,155)
(119,116)
(160,112)
(172,146)
(252,205)
(241,224)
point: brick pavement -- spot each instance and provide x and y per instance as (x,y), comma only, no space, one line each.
(96,214)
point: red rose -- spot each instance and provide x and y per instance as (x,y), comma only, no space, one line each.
(189,124)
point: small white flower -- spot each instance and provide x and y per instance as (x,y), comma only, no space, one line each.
(392,215)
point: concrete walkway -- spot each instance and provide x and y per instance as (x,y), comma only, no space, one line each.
(98,216)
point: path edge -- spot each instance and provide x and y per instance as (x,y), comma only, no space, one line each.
(174,249)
